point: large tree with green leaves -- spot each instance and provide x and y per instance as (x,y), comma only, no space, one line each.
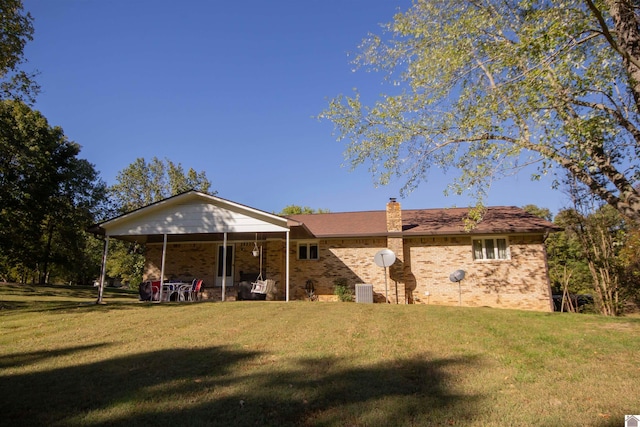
(48,196)
(488,87)
(16,29)
(142,183)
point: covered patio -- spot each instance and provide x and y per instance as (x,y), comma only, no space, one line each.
(194,235)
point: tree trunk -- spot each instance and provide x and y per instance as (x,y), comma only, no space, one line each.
(628,39)
(47,254)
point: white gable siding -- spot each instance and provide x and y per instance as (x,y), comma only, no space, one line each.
(193,216)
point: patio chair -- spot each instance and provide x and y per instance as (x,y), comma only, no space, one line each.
(191,292)
(155,290)
(181,291)
(174,291)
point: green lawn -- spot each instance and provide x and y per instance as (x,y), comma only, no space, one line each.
(66,361)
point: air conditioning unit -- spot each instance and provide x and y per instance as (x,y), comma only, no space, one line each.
(364,293)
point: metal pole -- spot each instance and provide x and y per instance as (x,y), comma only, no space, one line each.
(164,255)
(386,294)
(287,267)
(224,265)
(103,273)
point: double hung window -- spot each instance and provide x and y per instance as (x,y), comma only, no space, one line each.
(308,250)
(490,248)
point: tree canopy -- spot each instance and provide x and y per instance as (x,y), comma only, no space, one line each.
(48,196)
(297,209)
(142,183)
(489,87)
(16,29)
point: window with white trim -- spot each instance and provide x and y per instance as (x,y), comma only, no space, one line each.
(490,248)
(308,250)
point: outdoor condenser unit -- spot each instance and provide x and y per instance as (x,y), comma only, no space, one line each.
(364,293)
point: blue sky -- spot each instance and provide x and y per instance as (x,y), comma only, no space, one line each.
(229,88)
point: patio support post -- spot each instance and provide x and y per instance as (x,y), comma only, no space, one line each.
(224,265)
(103,271)
(287,268)
(164,255)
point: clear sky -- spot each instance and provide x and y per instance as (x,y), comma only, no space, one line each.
(230,88)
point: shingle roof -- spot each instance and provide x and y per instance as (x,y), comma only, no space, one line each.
(419,222)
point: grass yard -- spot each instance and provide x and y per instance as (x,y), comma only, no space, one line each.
(69,362)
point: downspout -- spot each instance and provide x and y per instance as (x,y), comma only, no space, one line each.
(164,254)
(103,271)
(224,265)
(287,268)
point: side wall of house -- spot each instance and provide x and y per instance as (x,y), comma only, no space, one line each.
(350,259)
(520,282)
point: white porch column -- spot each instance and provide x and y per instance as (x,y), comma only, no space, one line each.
(103,271)
(164,254)
(287,267)
(224,265)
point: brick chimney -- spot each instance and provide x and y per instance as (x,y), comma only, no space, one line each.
(395,242)
(394,216)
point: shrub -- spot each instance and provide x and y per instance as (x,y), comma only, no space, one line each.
(342,290)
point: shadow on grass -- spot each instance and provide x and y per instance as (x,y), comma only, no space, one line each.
(14,360)
(62,298)
(9,307)
(220,386)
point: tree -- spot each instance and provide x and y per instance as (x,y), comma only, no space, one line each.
(47,194)
(601,232)
(138,185)
(568,269)
(543,213)
(629,259)
(490,87)
(142,183)
(296,210)
(67,246)
(16,29)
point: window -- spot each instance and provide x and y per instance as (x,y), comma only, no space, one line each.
(490,249)
(308,250)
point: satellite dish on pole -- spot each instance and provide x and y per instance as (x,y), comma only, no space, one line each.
(385,258)
(457,276)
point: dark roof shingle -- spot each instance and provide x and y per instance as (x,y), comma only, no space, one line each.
(496,219)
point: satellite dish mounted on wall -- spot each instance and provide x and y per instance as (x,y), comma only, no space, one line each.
(457,276)
(385,258)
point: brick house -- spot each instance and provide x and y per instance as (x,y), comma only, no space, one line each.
(503,257)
